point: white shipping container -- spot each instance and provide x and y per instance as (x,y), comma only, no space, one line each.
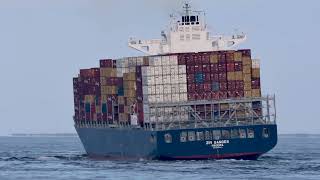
(165,70)
(174,88)
(165,60)
(183,88)
(158,80)
(175,97)
(157,61)
(183,97)
(145,90)
(144,71)
(159,89)
(174,70)
(255,63)
(167,98)
(150,80)
(167,89)
(166,79)
(139,61)
(150,71)
(153,89)
(146,109)
(182,69)
(182,78)
(174,60)
(174,79)
(132,69)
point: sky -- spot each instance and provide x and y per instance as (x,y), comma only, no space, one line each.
(44,43)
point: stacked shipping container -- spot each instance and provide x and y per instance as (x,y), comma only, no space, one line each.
(122,90)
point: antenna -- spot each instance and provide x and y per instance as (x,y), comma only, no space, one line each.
(187,8)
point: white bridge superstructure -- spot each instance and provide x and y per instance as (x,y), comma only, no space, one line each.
(188,33)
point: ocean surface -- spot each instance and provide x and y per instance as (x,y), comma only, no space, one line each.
(295,157)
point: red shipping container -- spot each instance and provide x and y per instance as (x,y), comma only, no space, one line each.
(231,94)
(255,83)
(239,85)
(198,68)
(181,60)
(239,93)
(106,63)
(190,69)
(230,56)
(190,60)
(223,95)
(222,67)
(196,58)
(205,59)
(191,96)
(207,77)
(206,68)
(214,77)
(238,66)
(222,56)
(121,108)
(207,87)
(223,86)
(222,77)
(245,52)
(214,68)
(88,73)
(215,95)
(190,78)
(230,66)
(199,96)
(231,85)
(199,88)
(191,88)
(207,96)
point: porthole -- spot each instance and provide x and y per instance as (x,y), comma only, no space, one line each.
(168,138)
(191,136)
(265,132)
(250,133)
(183,137)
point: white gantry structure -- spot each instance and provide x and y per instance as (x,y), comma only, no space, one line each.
(187,33)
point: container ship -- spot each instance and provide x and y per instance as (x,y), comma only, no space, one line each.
(191,96)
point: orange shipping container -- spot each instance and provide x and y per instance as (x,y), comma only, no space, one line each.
(246,69)
(238,76)
(129,76)
(231,76)
(247,94)
(214,58)
(246,61)
(108,72)
(238,56)
(256,93)
(247,78)
(256,72)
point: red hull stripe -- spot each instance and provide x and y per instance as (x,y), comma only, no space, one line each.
(214,156)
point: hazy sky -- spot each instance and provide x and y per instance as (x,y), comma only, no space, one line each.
(43,44)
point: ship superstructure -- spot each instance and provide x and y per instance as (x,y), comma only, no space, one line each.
(187,33)
(192,97)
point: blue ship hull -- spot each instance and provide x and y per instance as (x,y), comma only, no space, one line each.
(168,145)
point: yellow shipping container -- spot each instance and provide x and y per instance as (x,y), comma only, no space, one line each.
(231,76)
(98,109)
(103,81)
(238,76)
(89,98)
(120,99)
(256,72)
(127,109)
(256,93)
(129,85)
(247,94)
(108,72)
(129,76)
(108,90)
(246,69)
(130,93)
(247,86)
(214,58)
(123,117)
(247,61)
(238,56)
(224,107)
(247,78)
(104,98)
(131,100)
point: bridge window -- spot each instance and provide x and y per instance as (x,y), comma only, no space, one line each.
(200,136)
(250,133)
(225,134)
(216,134)
(183,137)
(192,18)
(265,132)
(243,133)
(208,135)
(168,138)
(191,136)
(235,133)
